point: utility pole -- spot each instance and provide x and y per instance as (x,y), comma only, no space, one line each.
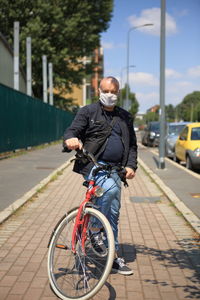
(162,87)
(28,66)
(16,55)
(50,83)
(84,83)
(44,72)
(121,83)
(191,112)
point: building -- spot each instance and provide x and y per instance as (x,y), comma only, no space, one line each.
(84,94)
(140,116)
(98,71)
(154,108)
(7,66)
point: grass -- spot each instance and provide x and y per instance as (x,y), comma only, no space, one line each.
(54,177)
(178,213)
(158,201)
(41,190)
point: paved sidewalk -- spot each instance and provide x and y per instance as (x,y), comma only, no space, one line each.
(19,174)
(155,240)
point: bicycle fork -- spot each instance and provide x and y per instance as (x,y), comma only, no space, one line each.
(80,228)
(81,223)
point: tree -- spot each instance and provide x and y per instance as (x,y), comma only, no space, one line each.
(65,31)
(170,113)
(151,116)
(189,108)
(134,103)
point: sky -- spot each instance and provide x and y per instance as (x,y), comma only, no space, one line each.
(182,54)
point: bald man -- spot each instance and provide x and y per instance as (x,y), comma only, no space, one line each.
(120,148)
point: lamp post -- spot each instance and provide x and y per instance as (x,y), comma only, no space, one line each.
(121,74)
(127,81)
(161,164)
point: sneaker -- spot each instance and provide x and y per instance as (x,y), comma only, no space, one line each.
(120,267)
(97,244)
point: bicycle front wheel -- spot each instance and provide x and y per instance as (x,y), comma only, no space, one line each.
(82,274)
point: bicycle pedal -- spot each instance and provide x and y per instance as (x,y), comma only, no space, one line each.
(60,246)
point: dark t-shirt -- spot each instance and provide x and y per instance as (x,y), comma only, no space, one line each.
(114,147)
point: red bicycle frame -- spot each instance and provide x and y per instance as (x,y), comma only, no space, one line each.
(81,222)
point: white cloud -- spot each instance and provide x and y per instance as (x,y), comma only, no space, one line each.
(178,90)
(111,45)
(147,100)
(172,74)
(141,78)
(152,15)
(107,45)
(194,72)
(183,84)
(182,13)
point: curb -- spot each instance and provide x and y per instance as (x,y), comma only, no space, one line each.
(183,209)
(7,212)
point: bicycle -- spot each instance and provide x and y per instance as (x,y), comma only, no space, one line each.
(75,269)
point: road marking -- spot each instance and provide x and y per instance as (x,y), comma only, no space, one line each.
(196,195)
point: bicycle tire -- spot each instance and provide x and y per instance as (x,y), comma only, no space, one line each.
(78,277)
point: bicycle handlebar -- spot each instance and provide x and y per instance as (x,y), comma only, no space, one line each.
(107,167)
(83,153)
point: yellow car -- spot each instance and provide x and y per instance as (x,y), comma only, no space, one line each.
(187,146)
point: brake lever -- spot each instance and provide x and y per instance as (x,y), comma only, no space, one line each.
(90,156)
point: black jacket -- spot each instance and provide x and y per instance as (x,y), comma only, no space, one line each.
(91,121)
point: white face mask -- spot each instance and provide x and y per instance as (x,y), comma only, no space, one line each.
(108,99)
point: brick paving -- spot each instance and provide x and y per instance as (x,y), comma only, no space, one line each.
(155,240)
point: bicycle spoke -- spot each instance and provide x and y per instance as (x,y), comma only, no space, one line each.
(76,274)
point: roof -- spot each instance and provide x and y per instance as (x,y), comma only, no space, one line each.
(178,123)
(196,124)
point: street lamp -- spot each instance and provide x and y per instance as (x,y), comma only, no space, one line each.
(161,164)
(128,38)
(121,74)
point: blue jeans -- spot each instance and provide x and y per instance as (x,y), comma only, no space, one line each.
(110,202)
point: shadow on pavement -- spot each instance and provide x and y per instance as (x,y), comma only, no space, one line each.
(186,259)
(128,252)
(111,291)
(156,160)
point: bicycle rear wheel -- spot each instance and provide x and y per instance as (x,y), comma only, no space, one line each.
(80,275)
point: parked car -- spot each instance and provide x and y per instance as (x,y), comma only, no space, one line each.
(151,134)
(187,146)
(173,131)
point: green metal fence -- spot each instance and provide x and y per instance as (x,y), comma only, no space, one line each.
(26,121)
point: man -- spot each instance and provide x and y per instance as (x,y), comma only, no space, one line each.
(90,126)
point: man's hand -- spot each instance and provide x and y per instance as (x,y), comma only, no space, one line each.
(129,173)
(73,144)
